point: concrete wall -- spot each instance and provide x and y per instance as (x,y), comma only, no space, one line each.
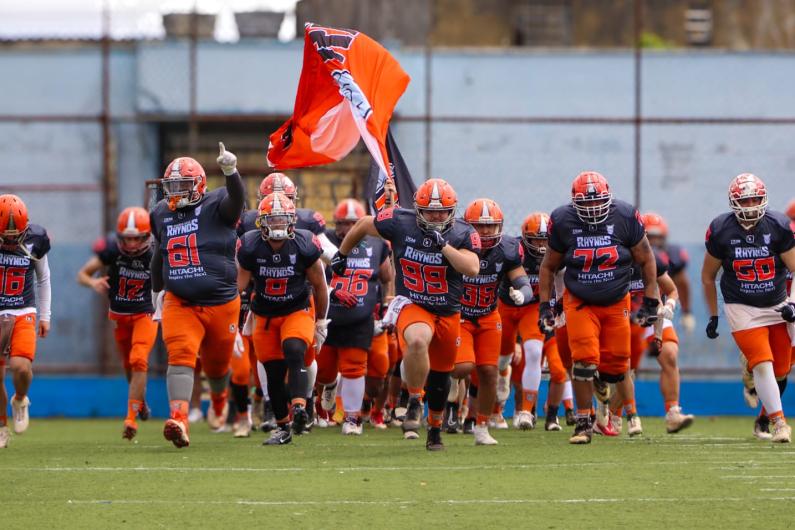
(525,167)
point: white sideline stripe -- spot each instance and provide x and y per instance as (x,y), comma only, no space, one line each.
(415,502)
(771,477)
(101,469)
(776,489)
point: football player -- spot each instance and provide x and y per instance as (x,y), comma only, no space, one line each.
(677,259)
(596,238)
(193,276)
(23,257)
(284,262)
(125,258)
(353,298)
(754,247)
(432,250)
(521,319)
(481,333)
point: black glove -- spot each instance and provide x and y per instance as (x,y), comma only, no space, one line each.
(647,314)
(437,239)
(339,263)
(787,312)
(712,328)
(346,298)
(559,307)
(546,317)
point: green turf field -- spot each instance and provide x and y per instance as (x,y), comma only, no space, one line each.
(69,474)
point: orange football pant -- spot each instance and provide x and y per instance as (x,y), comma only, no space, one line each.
(271,332)
(766,344)
(594,329)
(481,342)
(521,321)
(23,337)
(135,335)
(442,351)
(209,331)
(243,366)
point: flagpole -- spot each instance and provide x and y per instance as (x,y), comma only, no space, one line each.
(428,87)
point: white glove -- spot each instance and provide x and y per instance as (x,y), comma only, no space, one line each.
(667,310)
(321,332)
(378,327)
(248,325)
(239,348)
(226,159)
(516,296)
(688,322)
(157,299)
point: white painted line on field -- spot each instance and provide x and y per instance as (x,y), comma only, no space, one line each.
(392,502)
(770,477)
(776,489)
(483,467)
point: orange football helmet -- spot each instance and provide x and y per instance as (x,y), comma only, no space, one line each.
(133,232)
(435,195)
(655,225)
(535,227)
(791,209)
(13,220)
(276,217)
(278,182)
(483,215)
(184,182)
(349,210)
(591,197)
(745,187)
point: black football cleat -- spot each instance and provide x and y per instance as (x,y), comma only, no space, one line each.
(434,440)
(300,420)
(452,425)
(281,435)
(583,431)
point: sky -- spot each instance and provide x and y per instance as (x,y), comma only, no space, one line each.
(130,18)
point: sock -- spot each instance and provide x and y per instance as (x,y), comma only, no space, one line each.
(481,419)
(217,401)
(263,381)
(531,376)
(529,400)
(767,388)
(670,404)
(435,418)
(583,413)
(179,409)
(133,406)
(311,377)
(240,398)
(629,407)
(568,396)
(276,371)
(552,410)
(179,383)
(352,395)
(615,408)
(415,393)
(503,364)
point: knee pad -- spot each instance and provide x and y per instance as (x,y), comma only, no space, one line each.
(611,378)
(583,371)
(294,350)
(218,384)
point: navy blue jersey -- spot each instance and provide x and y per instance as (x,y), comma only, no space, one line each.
(248,222)
(480,292)
(636,286)
(677,259)
(280,285)
(753,273)
(17,268)
(198,248)
(422,273)
(307,219)
(532,267)
(597,258)
(361,278)
(129,277)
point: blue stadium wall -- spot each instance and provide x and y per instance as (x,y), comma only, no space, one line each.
(525,167)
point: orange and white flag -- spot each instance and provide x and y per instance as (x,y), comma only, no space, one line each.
(348,89)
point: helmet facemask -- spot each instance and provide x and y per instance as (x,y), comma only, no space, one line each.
(439,223)
(277,226)
(181,191)
(490,233)
(134,244)
(748,213)
(592,208)
(536,244)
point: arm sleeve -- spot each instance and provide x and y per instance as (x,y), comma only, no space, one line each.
(329,248)
(232,205)
(522,284)
(156,267)
(43,289)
